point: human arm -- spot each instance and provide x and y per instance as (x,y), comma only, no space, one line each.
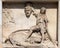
(46,20)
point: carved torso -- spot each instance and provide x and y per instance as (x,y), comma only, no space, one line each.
(40,19)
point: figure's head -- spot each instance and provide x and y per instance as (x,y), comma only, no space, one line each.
(28,9)
(43,10)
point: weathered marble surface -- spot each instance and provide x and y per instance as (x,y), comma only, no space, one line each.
(21,22)
(19,38)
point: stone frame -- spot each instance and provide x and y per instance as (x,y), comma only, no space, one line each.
(58,23)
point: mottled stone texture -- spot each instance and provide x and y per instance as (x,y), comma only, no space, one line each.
(14,19)
(16,14)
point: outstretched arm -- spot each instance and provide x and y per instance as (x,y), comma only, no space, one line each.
(46,20)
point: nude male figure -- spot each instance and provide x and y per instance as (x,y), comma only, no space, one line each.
(41,23)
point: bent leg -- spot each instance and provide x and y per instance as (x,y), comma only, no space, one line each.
(31,31)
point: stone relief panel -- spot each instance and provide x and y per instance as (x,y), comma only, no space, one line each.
(17,25)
